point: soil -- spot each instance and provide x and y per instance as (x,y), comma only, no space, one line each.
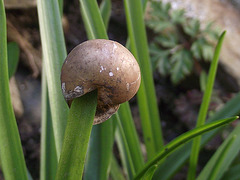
(178,105)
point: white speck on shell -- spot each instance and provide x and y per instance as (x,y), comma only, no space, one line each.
(127,86)
(102,69)
(63,87)
(110,73)
(114,47)
(117,68)
(78,89)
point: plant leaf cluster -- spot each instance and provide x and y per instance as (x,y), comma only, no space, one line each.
(179,41)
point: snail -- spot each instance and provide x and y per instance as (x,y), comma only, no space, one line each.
(104,65)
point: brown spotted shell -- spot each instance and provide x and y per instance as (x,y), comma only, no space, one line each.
(104,65)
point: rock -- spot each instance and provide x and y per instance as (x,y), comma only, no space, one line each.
(225,14)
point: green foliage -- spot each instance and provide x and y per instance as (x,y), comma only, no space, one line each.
(13,56)
(179,41)
(11,155)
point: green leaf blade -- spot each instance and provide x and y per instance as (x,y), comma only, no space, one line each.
(204,108)
(78,130)
(180,140)
(223,157)
(169,167)
(150,118)
(54,53)
(13,57)
(11,154)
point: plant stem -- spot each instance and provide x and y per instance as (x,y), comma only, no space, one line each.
(77,134)
(12,160)
(204,109)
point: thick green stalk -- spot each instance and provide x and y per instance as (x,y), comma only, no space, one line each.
(78,130)
(11,154)
(139,47)
(204,109)
(115,170)
(127,123)
(105,9)
(48,161)
(54,53)
(93,21)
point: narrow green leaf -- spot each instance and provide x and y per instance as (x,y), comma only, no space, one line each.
(78,130)
(124,149)
(60,3)
(129,130)
(233,173)
(100,146)
(93,21)
(48,157)
(169,167)
(11,154)
(217,165)
(150,172)
(115,171)
(203,80)
(144,4)
(223,157)
(180,140)
(204,108)
(105,9)
(13,57)
(146,96)
(54,53)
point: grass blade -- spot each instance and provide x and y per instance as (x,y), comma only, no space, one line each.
(48,161)
(105,9)
(129,130)
(54,53)
(60,3)
(146,96)
(78,130)
(13,57)
(124,154)
(204,108)
(180,140)
(169,167)
(92,20)
(100,146)
(124,149)
(233,173)
(115,170)
(223,157)
(217,167)
(11,154)
(150,172)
